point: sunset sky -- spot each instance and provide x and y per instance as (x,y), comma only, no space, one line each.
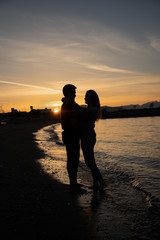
(112,47)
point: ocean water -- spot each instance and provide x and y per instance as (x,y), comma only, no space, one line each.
(127,153)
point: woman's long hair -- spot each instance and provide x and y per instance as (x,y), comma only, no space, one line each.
(95,101)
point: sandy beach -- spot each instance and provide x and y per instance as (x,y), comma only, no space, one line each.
(36,204)
(32,204)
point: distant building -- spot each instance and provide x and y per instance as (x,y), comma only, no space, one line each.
(13,110)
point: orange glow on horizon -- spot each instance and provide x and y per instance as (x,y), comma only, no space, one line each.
(55,107)
(113,94)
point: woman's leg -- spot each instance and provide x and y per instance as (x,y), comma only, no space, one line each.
(87,144)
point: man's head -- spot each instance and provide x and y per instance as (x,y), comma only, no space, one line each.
(69,91)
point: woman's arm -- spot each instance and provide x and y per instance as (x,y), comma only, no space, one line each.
(80,111)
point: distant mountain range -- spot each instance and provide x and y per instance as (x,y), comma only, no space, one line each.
(148,105)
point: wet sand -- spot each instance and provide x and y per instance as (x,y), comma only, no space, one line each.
(32,204)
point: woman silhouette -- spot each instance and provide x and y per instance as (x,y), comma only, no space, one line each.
(88,136)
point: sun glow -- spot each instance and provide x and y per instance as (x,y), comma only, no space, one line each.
(56,110)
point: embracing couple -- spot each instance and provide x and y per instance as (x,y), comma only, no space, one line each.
(78,128)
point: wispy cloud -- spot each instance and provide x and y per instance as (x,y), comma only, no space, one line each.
(86,54)
(155,44)
(49,90)
(85,43)
(105,68)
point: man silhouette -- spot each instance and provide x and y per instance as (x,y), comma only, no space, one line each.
(70,135)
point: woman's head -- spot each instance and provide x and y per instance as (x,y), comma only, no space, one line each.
(91,97)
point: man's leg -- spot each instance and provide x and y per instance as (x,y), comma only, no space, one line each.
(73,153)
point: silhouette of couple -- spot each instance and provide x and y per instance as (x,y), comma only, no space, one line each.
(78,127)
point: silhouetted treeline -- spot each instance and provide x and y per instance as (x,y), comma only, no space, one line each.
(125,113)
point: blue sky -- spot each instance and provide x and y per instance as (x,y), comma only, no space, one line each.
(110,46)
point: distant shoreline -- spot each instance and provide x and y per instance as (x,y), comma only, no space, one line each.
(128,113)
(22,117)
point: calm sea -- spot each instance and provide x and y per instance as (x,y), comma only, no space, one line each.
(128,155)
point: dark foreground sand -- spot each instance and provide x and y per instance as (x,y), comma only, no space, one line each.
(32,204)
